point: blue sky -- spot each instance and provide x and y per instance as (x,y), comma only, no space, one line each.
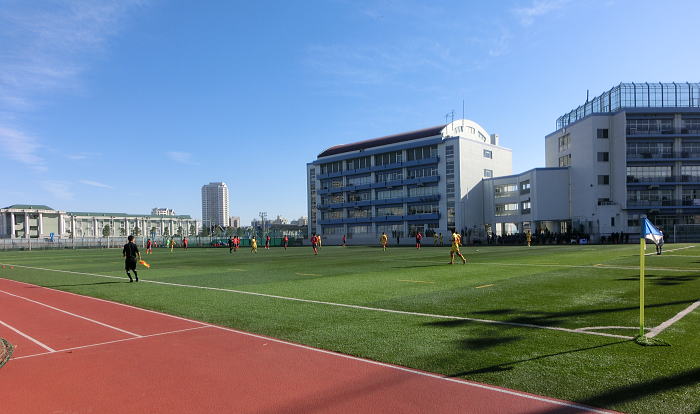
(122,106)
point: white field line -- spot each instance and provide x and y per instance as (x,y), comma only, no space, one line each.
(36,341)
(323,351)
(344,305)
(671,250)
(676,318)
(596,266)
(72,314)
(592,328)
(110,342)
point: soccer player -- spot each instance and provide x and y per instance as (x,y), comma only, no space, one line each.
(267,242)
(383,240)
(343,240)
(149,246)
(528,236)
(184,243)
(441,240)
(285,242)
(172,244)
(236,243)
(660,244)
(435,239)
(253,245)
(314,243)
(131,255)
(456,241)
(318,238)
(231,244)
(419,237)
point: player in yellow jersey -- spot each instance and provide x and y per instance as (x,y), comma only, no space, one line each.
(529,238)
(253,245)
(384,241)
(318,236)
(172,244)
(456,241)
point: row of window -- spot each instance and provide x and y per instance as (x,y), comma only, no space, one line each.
(380,177)
(394,210)
(393,230)
(507,190)
(509,209)
(381,194)
(393,157)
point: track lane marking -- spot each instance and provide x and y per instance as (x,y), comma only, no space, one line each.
(112,342)
(24,335)
(72,314)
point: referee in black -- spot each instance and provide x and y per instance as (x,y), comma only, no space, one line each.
(131,254)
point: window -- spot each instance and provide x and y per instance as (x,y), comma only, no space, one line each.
(332,198)
(390,229)
(359,229)
(332,183)
(359,179)
(357,163)
(420,172)
(649,126)
(643,173)
(421,153)
(355,196)
(488,173)
(333,229)
(430,208)
(603,156)
(396,210)
(360,212)
(505,190)
(565,161)
(390,193)
(421,191)
(506,209)
(690,172)
(691,126)
(488,153)
(331,167)
(602,133)
(450,151)
(647,149)
(388,158)
(564,142)
(332,214)
(612,221)
(525,207)
(392,175)
(525,187)
(603,180)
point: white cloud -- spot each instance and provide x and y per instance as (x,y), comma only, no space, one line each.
(95,184)
(20,147)
(181,157)
(60,190)
(538,8)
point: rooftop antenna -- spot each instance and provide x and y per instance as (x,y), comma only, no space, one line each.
(587,95)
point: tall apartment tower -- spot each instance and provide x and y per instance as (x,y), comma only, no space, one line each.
(215,205)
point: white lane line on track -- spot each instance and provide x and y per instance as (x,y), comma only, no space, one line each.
(335,354)
(344,305)
(111,342)
(72,314)
(676,318)
(24,335)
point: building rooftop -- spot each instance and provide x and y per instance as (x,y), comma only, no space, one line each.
(389,139)
(30,207)
(637,95)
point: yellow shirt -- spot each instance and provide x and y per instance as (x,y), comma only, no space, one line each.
(456,239)
(383,239)
(254,243)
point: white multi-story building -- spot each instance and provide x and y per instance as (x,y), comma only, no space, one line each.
(215,205)
(632,151)
(234,221)
(22,221)
(163,212)
(428,180)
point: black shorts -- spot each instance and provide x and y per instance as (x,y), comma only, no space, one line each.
(130,263)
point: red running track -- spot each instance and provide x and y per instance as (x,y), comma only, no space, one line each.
(77,354)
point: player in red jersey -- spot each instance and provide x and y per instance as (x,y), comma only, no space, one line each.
(314,244)
(285,242)
(185,241)
(343,240)
(419,237)
(149,247)
(267,242)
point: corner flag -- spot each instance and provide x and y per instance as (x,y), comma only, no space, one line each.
(650,232)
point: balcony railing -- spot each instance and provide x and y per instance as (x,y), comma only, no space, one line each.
(667,179)
(661,155)
(664,203)
(692,130)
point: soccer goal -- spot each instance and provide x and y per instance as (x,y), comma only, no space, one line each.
(685,233)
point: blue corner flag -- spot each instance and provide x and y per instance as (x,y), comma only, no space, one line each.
(651,233)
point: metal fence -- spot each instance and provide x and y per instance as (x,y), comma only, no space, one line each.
(118,242)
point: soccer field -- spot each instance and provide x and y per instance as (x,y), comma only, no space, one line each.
(550,320)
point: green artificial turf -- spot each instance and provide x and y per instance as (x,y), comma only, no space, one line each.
(554,286)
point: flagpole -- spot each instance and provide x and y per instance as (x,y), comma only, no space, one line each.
(642,251)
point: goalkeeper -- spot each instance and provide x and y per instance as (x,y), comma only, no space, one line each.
(131,255)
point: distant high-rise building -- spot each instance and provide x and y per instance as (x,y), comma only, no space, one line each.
(234,221)
(215,205)
(163,212)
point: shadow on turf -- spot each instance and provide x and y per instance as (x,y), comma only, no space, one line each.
(637,391)
(507,366)
(663,280)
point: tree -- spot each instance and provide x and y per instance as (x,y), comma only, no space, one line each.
(122,231)
(166,232)
(153,231)
(105,231)
(137,231)
(193,229)
(179,231)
